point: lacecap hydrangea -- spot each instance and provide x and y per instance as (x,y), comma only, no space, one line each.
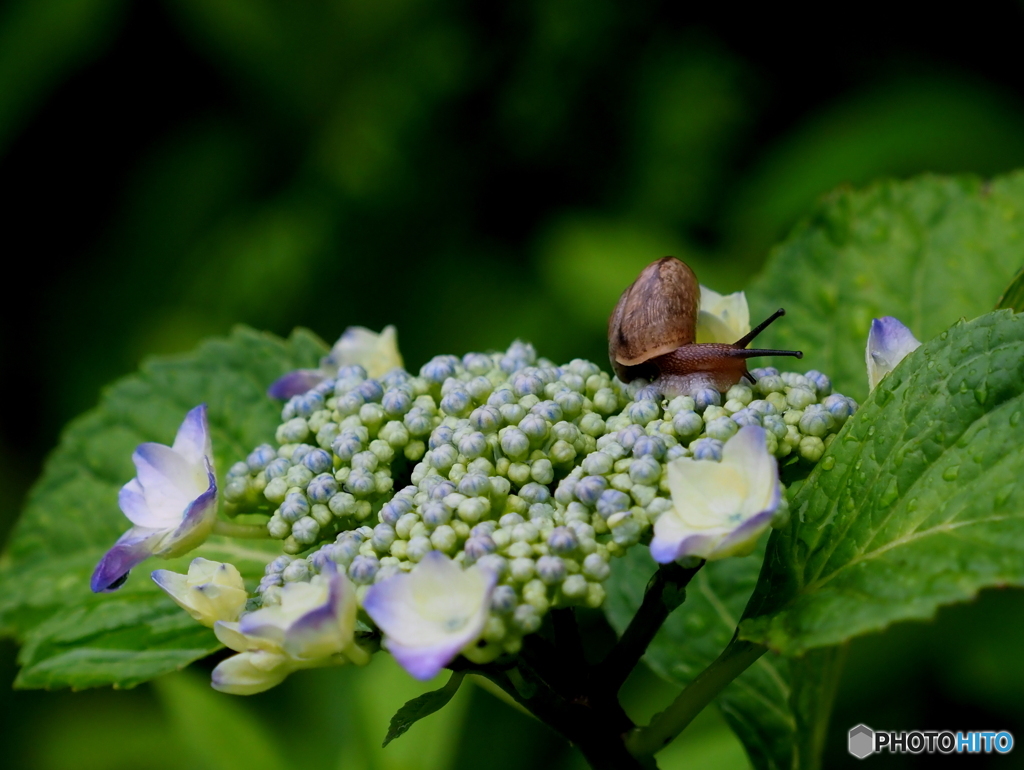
(533,474)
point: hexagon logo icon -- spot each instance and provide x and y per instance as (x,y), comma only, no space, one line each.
(861,741)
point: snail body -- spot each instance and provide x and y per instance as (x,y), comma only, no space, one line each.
(652,333)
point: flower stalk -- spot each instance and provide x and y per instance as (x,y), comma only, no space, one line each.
(245,531)
(736,658)
(665,592)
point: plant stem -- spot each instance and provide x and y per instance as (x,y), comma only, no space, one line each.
(664,593)
(250,531)
(734,660)
(598,732)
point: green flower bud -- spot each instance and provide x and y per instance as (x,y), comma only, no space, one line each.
(800,398)
(415,450)
(418,548)
(342,504)
(521,569)
(592,424)
(536,594)
(298,476)
(721,428)
(597,464)
(526,618)
(278,528)
(575,587)
(519,473)
(595,595)
(276,490)
(321,514)
(811,448)
(444,539)
(542,472)
(293,431)
(596,568)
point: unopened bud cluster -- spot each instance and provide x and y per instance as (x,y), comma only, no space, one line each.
(541,473)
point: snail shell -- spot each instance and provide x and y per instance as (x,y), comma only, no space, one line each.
(652,333)
(656,314)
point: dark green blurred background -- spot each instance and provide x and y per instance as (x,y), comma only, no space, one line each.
(471,172)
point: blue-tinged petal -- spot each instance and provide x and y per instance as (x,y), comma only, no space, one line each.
(169,483)
(193,440)
(665,550)
(199,517)
(132,503)
(431,613)
(329,628)
(131,549)
(295,383)
(425,663)
(889,342)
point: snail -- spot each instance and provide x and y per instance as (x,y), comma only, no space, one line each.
(652,330)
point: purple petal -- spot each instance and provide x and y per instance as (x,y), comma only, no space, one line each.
(665,551)
(193,439)
(425,663)
(890,334)
(380,600)
(295,383)
(889,342)
(308,630)
(131,549)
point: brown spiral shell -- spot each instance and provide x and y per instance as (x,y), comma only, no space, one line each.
(655,315)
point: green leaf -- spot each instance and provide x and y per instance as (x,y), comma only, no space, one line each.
(219,729)
(1013,297)
(927,251)
(815,679)
(756,703)
(916,504)
(72,637)
(423,706)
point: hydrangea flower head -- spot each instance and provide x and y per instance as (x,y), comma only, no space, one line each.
(430,614)
(314,625)
(723,318)
(172,502)
(889,342)
(719,509)
(376,353)
(211,590)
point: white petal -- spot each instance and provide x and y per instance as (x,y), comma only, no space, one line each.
(249,673)
(703,491)
(328,629)
(219,573)
(722,318)
(719,509)
(169,483)
(376,353)
(230,635)
(437,605)
(297,599)
(747,453)
(132,503)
